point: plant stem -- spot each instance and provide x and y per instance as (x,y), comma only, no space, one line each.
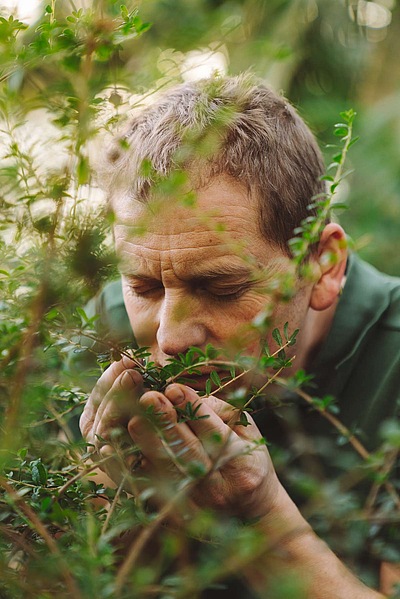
(37,525)
(343,430)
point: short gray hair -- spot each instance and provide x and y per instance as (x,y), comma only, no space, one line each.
(224,125)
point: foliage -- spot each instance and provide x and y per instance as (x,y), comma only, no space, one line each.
(61,530)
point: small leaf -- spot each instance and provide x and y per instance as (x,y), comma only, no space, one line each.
(83,171)
(39,472)
(215,378)
(242,420)
(285,331)
(277,336)
(81,312)
(293,336)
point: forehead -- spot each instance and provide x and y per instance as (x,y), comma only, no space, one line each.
(222,223)
(220,200)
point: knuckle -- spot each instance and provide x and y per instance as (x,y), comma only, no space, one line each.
(133,425)
(105,451)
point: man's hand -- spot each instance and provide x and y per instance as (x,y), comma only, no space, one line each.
(234,473)
(230,467)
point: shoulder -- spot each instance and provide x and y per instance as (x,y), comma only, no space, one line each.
(108,305)
(375,290)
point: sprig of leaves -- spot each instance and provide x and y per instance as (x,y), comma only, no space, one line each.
(308,232)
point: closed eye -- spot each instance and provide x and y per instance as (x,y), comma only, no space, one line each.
(148,291)
(226,293)
(145,287)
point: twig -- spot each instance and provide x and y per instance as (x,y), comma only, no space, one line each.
(145,535)
(270,380)
(78,476)
(385,470)
(343,430)
(113,505)
(42,531)
(57,417)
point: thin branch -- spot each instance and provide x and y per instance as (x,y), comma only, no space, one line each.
(39,527)
(343,430)
(113,505)
(384,472)
(145,535)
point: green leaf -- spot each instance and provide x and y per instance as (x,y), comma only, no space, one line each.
(39,472)
(215,378)
(277,337)
(341,132)
(286,331)
(83,171)
(293,336)
(81,312)
(243,421)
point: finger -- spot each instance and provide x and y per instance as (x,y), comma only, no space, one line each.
(161,437)
(100,390)
(229,415)
(108,377)
(117,407)
(215,435)
(130,471)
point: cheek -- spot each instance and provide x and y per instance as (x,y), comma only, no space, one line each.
(143,319)
(236,332)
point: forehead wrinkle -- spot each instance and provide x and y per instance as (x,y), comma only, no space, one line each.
(200,225)
(145,248)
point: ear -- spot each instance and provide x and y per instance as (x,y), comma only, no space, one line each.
(331,266)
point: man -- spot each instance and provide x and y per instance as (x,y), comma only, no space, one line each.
(207,187)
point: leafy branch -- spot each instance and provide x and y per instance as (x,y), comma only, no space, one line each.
(308,232)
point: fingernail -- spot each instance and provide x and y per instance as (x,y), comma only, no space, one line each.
(129,379)
(127,362)
(174,394)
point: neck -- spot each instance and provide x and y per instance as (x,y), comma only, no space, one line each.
(313,334)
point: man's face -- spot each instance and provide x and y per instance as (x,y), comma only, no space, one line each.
(201,274)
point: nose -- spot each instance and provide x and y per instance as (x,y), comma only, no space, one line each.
(181,324)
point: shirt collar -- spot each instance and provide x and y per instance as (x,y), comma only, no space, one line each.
(365,297)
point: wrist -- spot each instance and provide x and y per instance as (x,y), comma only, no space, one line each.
(292,549)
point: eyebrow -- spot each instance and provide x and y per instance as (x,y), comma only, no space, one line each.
(198,273)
